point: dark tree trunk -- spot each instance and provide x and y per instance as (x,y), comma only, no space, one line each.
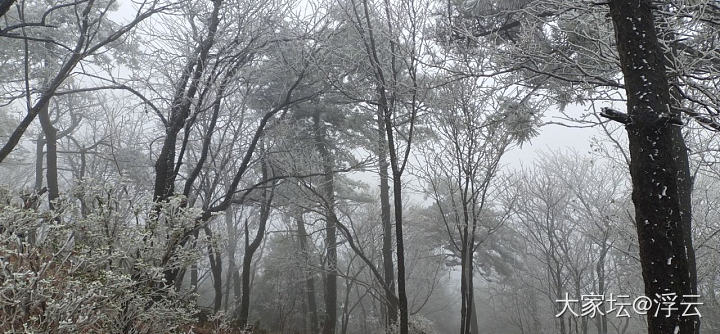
(464,291)
(387,251)
(330,318)
(5,6)
(309,277)
(237,288)
(165,168)
(232,245)
(51,170)
(346,309)
(659,166)
(244,309)
(397,169)
(250,249)
(555,271)
(600,270)
(215,260)
(193,277)
(399,243)
(179,277)
(193,268)
(468,318)
(400,249)
(39,162)
(578,292)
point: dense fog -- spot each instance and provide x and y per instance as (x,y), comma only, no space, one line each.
(359,166)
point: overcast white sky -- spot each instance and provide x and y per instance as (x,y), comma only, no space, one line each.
(553,138)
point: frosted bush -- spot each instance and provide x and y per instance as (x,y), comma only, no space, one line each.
(417,324)
(95,265)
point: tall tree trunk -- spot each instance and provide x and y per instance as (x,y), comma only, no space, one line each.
(346,310)
(659,166)
(215,259)
(555,272)
(330,318)
(165,169)
(193,267)
(473,313)
(387,251)
(577,277)
(250,249)
(51,171)
(463,292)
(400,250)
(39,162)
(468,318)
(397,171)
(309,277)
(237,289)
(600,270)
(231,248)
(179,278)
(193,277)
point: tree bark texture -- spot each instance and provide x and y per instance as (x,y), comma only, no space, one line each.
(309,277)
(51,170)
(328,192)
(659,166)
(387,251)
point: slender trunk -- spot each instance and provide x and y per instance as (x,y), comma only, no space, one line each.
(309,277)
(245,297)
(194,268)
(397,200)
(468,316)
(330,319)
(387,251)
(600,270)
(463,292)
(659,166)
(558,292)
(583,320)
(179,279)
(216,269)
(232,245)
(164,166)
(215,260)
(79,177)
(400,249)
(250,249)
(346,306)
(165,169)
(51,154)
(39,162)
(237,289)
(193,277)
